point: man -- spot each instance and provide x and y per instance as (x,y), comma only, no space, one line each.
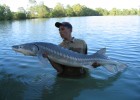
(71,43)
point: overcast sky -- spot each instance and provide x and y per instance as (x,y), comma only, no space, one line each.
(108,4)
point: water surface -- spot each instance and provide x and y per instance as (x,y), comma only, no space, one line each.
(25,78)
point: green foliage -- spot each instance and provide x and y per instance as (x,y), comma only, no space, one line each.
(42,11)
(115,12)
(5,13)
(58,11)
(89,12)
(21,9)
(78,9)
(133,11)
(19,15)
(125,12)
(39,11)
(102,12)
(2,12)
(138,12)
(69,11)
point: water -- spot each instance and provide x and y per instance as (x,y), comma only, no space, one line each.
(25,78)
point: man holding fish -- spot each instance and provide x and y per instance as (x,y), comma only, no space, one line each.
(71,43)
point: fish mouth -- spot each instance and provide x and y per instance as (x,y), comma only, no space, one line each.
(19,49)
(15,48)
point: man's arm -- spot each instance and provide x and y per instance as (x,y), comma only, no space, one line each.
(95,65)
(56,66)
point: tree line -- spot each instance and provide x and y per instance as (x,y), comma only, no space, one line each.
(42,11)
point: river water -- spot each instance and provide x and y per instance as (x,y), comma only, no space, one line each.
(25,78)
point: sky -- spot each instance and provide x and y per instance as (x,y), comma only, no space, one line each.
(108,4)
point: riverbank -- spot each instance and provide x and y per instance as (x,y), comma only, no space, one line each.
(42,11)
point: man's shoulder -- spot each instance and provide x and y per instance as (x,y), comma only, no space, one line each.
(75,43)
(79,41)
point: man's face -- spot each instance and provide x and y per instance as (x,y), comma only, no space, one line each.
(64,32)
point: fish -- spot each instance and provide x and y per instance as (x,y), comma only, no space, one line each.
(68,57)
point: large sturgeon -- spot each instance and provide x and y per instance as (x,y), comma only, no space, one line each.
(64,56)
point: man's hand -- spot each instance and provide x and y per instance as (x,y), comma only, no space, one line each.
(95,65)
(57,66)
(45,55)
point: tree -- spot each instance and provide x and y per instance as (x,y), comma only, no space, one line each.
(125,12)
(88,12)
(133,11)
(69,11)
(5,12)
(19,15)
(2,12)
(138,11)
(21,9)
(58,11)
(43,11)
(113,12)
(78,9)
(102,12)
(40,11)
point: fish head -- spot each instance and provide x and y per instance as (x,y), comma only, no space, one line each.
(29,49)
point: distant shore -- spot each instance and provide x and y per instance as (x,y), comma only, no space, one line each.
(77,10)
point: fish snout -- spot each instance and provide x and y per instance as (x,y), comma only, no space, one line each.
(15,47)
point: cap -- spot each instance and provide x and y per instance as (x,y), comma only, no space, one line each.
(65,24)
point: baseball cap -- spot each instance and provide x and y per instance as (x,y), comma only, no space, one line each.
(65,24)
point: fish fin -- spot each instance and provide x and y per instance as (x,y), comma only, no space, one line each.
(88,67)
(111,68)
(101,51)
(43,60)
(121,67)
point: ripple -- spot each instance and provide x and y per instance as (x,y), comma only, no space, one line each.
(23,77)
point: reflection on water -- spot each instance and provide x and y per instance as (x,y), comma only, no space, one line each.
(48,86)
(25,78)
(70,88)
(11,87)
